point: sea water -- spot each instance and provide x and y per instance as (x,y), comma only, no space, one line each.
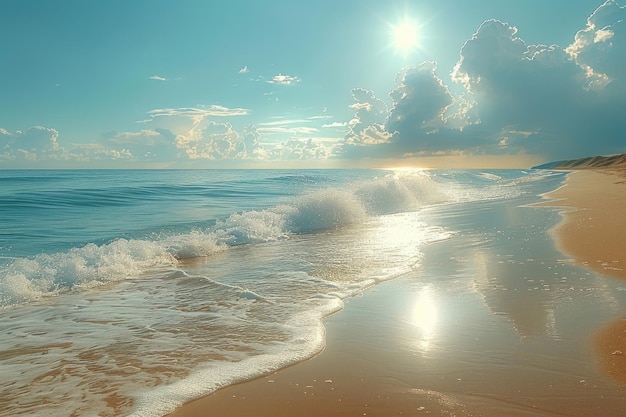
(131,292)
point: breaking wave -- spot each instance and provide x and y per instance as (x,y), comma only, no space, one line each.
(28,279)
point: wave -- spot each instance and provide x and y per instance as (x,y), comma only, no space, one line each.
(28,279)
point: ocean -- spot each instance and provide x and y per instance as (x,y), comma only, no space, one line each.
(130,292)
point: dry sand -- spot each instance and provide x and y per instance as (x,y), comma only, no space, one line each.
(362,373)
(593,232)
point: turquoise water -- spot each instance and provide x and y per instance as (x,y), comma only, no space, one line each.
(150,288)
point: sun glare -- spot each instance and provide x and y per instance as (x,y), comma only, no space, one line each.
(424,317)
(405,36)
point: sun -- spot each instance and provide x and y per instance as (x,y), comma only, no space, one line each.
(405,36)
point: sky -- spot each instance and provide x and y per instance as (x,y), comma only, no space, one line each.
(324,84)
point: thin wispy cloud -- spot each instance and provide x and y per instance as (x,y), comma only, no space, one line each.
(283,122)
(157,78)
(335,124)
(244,70)
(294,130)
(200,111)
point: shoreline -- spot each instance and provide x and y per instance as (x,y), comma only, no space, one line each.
(342,380)
(367,369)
(593,232)
(593,229)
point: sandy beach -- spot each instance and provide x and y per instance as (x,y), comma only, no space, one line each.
(593,230)
(481,344)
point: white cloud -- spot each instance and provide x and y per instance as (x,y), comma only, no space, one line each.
(371,113)
(283,122)
(600,48)
(222,141)
(284,79)
(41,143)
(157,78)
(335,124)
(244,70)
(294,130)
(155,144)
(199,112)
(35,143)
(517,98)
(298,149)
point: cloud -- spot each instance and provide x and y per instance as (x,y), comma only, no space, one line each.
(199,112)
(221,141)
(40,143)
(542,89)
(283,122)
(419,101)
(157,78)
(335,124)
(250,146)
(298,149)
(371,114)
(244,70)
(98,152)
(284,79)
(514,98)
(600,48)
(36,143)
(216,141)
(149,144)
(294,130)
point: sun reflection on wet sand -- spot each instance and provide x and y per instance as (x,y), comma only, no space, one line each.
(423,316)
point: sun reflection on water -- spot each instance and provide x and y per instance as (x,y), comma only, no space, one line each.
(424,316)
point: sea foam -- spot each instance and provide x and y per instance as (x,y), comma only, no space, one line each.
(28,279)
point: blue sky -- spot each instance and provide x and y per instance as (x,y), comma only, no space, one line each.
(206,84)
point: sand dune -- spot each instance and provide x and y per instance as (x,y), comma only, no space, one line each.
(592,162)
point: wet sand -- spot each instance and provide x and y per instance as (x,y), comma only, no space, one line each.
(593,232)
(471,333)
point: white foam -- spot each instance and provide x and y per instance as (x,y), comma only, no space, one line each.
(307,340)
(326,209)
(24,280)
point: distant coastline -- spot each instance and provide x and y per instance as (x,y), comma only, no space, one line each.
(591,162)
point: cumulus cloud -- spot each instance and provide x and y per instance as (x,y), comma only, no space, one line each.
(600,48)
(297,149)
(545,90)
(419,101)
(244,70)
(221,141)
(33,144)
(250,145)
(366,128)
(41,143)
(514,98)
(216,141)
(149,144)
